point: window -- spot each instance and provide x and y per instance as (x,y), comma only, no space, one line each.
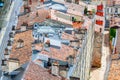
(76,1)
(70,1)
(116,10)
(111,10)
(107,10)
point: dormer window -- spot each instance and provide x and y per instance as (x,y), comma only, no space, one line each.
(24,26)
(20,43)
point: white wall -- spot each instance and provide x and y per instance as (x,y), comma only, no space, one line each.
(54,17)
(13,65)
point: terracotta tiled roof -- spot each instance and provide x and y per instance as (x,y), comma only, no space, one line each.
(24,53)
(36,72)
(114,73)
(77,25)
(38,46)
(61,54)
(31,18)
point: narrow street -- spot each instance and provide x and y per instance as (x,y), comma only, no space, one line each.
(102,73)
(10,20)
(105,57)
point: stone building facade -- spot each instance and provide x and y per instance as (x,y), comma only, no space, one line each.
(97,53)
(84,58)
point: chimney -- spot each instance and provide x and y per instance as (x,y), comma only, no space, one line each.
(4,65)
(100,29)
(11,36)
(33,47)
(9,45)
(49,70)
(113,3)
(71,60)
(24,26)
(6,53)
(73,33)
(47,45)
(13,64)
(13,29)
(37,15)
(30,2)
(55,68)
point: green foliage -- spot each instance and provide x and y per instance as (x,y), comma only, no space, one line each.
(112,33)
(73,19)
(85,11)
(93,10)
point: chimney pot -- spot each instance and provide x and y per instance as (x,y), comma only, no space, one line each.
(55,68)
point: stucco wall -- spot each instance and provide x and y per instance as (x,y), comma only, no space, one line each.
(62,17)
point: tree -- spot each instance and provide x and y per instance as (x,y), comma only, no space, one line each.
(112,33)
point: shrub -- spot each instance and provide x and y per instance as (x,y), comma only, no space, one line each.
(112,33)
